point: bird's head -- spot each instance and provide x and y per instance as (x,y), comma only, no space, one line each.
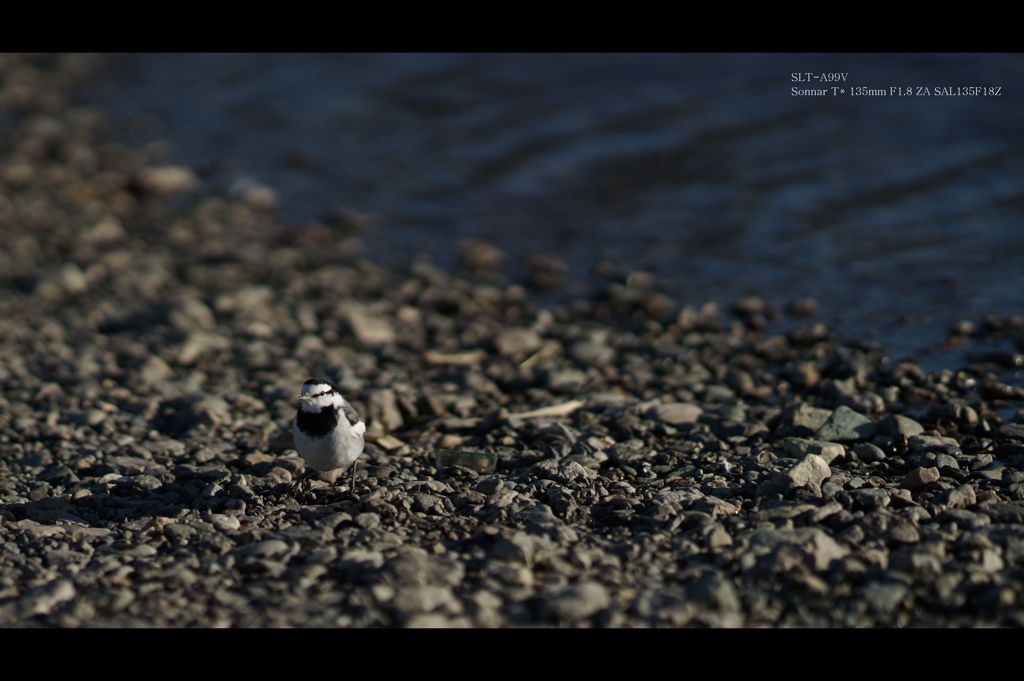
(318,393)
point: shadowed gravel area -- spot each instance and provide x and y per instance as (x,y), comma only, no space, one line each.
(623,460)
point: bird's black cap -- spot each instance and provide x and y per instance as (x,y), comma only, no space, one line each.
(324,381)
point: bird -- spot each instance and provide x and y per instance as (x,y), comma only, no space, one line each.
(327,430)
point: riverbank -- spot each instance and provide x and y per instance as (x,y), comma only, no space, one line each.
(625,460)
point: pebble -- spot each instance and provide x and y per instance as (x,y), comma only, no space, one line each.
(804,419)
(154,371)
(870,498)
(935,444)
(961,497)
(368,328)
(225,523)
(167,180)
(846,425)
(810,472)
(422,599)
(592,353)
(479,256)
(800,447)
(1014,431)
(813,543)
(264,549)
(919,477)
(578,602)
(884,596)
(384,411)
(517,342)
(518,548)
(866,451)
(45,599)
(895,424)
(713,590)
(675,414)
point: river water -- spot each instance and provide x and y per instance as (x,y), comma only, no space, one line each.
(899,214)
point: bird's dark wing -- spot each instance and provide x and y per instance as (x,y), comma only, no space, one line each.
(350,414)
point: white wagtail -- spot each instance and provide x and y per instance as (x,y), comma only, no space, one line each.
(327,431)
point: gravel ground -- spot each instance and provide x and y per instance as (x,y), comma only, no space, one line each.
(618,461)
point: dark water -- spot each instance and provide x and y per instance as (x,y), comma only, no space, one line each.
(899,214)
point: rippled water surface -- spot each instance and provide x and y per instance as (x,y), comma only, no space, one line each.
(899,214)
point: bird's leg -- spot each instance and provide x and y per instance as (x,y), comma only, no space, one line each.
(353,486)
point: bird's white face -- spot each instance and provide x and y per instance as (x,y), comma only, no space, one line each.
(316,396)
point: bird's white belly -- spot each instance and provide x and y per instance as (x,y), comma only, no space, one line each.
(332,451)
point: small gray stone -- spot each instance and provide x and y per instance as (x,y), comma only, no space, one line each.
(961,497)
(1001,512)
(903,531)
(675,414)
(715,506)
(264,549)
(579,601)
(88,417)
(38,530)
(368,328)
(592,353)
(870,498)
(384,411)
(816,544)
(367,521)
(868,452)
(200,343)
(418,599)
(516,342)
(436,620)
(964,518)
(894,424)
(154,371)
(829,451)
(935,444)
(846,425)
(166,180)
(716,591)
(717,537)
(357,560)
(489,486)
(884,596)
(225,523)
(1013,431)
(804,419)
(427,503)
(179,532)
(190,315)
(43,600)
(916,562)
(919,477)
(567,380)
(211,410)
(414,566)
(518,548)
(993,471)
(810,472)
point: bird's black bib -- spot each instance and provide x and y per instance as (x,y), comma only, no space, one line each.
(318,423)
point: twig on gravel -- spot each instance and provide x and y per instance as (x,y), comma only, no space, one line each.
(468,358)
(563,409)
